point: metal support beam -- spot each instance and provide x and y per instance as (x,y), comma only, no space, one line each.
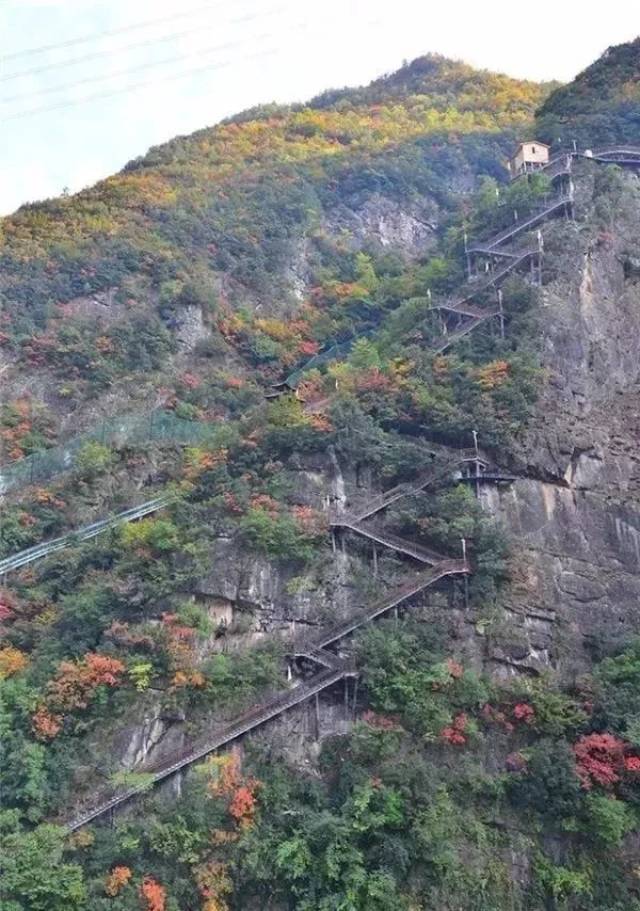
(501,313)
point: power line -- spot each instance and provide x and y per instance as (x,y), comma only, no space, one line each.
(60,64)
(134,86)
(134,69)
(94,36)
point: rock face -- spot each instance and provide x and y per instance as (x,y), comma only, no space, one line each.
(573,519)
(410,228)
(575,523)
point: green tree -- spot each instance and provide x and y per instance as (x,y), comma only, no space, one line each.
(34,875)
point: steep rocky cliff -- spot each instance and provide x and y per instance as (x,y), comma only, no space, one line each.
(574,521)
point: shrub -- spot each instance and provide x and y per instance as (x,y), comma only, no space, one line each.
(93,459)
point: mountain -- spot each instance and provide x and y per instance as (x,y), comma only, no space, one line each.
(601,106)
(223,213)
(359,416)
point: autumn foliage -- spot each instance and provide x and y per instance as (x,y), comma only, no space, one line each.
(493,375)
(153,895)
(600,760)
(215,884)
(456,732)
(76,682)
(116,880)
(73,688)
(229,784)
(12,660)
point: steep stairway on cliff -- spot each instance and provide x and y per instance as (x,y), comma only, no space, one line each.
(387,539)
(335,669)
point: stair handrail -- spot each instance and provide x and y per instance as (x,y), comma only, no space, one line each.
(562,199)
(239,726)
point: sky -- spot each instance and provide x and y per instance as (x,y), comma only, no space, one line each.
(87,85)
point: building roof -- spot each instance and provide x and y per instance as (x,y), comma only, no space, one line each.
(528,142)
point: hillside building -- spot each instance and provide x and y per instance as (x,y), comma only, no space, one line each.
(529,156)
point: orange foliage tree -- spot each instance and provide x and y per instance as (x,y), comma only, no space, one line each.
(154,895)
(228,783)
(12,660)
(74,687)
(117,880)
(214,884)
(76,682)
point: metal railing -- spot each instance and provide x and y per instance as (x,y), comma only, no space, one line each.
(241,725)
(44,549)
(459,305)
(393,542)
(487,246)
(313,648)
(386,603)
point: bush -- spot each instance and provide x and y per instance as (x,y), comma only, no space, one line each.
(93,459)
(549,784)
(277,536)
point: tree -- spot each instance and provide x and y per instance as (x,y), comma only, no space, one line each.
(618,692)
(549,783)
(153,894)
(12,661)
(366,273)
(606,819)
(34,875)
(364,355)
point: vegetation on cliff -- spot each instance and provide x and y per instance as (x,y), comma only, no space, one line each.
(446,773)
(601,107)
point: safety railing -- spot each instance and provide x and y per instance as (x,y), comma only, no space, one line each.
(44,549)
(530,221)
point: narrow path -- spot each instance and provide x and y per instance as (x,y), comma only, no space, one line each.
(393,542)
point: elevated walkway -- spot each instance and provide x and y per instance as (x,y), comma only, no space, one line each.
(387,539)
(335,669)
(456,334)
(237,728)
(462,304)
(40,551)
(563,201)
(440,470)
(387,602)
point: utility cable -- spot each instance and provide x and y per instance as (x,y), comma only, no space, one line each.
(132,87)
(95,36)
(134,69)
(86,58)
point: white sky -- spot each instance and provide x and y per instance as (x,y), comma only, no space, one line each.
(282,50)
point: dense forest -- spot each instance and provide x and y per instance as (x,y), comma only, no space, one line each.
(447,772)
